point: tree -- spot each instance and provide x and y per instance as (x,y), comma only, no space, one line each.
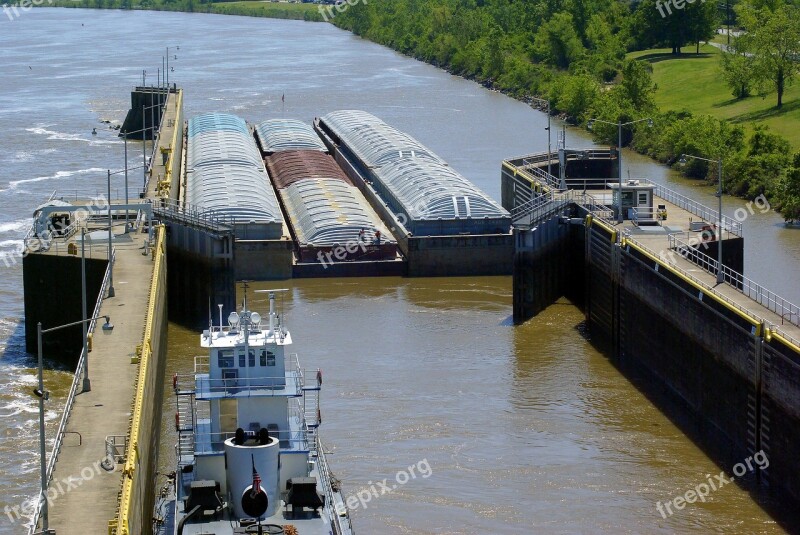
(775,37)
(739,67)
(660,23)
(557,42)
(637,87)
(788,194)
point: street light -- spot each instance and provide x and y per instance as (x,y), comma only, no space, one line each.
(682,161)
(43,395)
(543,102)
(167,69)
(619,124)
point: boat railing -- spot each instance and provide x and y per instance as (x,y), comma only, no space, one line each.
(340,517)
(241,386)
(202,364)
(293,439)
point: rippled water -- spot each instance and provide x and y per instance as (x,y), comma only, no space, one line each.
(526,429)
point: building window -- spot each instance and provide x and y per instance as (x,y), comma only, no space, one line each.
(225,358)
(642,199)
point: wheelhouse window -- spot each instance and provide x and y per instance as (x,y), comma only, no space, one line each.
(225,358)
(267,358)
(251,361)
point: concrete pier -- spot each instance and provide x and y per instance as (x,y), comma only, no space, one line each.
(105,410)
(101,469)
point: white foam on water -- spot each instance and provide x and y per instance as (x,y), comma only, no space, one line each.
(14,226)
(65,136)
(14,184)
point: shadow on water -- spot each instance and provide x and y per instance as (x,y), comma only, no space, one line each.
(680,414)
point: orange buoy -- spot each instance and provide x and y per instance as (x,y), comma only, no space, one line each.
(174,381)
(177,421)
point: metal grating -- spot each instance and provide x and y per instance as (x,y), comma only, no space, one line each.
(413,180)
(327,212)
(288,167)
(277,135)
(226,176)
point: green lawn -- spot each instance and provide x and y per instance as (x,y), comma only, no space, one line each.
(694,83)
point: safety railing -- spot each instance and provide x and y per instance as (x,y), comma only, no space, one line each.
(341,517)
(694,207)
(77,383)
(590,183)
(597,209)
(686,275)
(116,446)
(208,443)
(766,298)
(644,215)
(182,212)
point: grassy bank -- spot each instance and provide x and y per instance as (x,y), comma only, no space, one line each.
(248,8)
(693,83)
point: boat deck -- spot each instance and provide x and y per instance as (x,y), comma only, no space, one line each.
(306,522)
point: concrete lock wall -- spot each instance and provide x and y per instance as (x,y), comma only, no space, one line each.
(137,496)
(780,414)
(201,272)
(53,296)
(705,357)
(434,256)
(541,267)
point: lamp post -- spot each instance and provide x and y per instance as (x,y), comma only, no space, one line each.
(682,161)
(111,292)
(543,102)
(44,395)
(87,385)
(619,125)
(166,74)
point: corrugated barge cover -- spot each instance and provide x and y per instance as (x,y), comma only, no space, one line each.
(327,211)
(277,135)
(288,167)
(226,176)
(414,181)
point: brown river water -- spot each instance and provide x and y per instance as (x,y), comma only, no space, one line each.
(526,429)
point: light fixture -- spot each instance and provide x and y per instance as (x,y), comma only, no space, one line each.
(41,394)
(650,123)
(682,160)
(590,124)
(108,326)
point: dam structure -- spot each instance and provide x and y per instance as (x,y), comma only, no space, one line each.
(718,351)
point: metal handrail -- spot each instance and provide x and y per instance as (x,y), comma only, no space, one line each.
(746,286)
(215,442)
(192,214)
(706,287)
(73,391)
(325,480)
(690,205)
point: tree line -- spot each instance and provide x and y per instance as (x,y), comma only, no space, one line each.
(573,52)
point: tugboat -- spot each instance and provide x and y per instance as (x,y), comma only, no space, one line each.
(249,455)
